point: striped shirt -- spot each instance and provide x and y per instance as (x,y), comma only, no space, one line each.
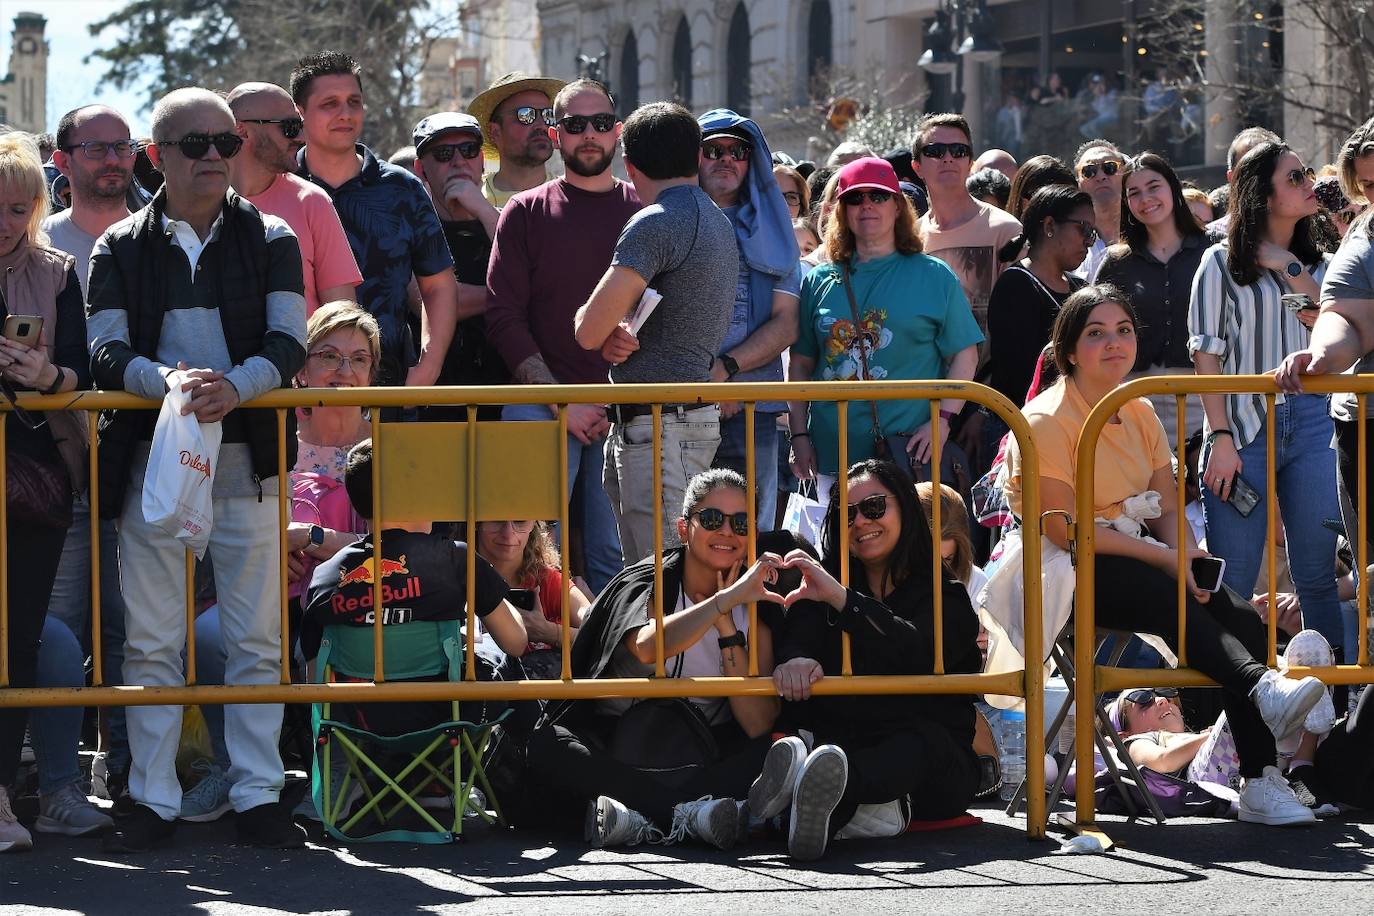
(1247,327)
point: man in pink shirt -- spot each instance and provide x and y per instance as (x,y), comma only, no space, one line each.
(270,125)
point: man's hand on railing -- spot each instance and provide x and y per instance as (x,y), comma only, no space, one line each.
(1289,374)
(212,395)
(794,678)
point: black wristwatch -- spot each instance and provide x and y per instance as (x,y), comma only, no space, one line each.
(316,536)
(731,367)
(735,639)
(1294,269)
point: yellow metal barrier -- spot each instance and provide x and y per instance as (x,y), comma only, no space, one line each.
(1093,679)
(515,463)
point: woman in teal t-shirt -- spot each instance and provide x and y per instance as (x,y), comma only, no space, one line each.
(909,320)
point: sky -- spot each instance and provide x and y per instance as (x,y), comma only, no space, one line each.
(71,82)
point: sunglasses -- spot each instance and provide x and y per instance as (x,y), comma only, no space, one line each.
(197,146)
(97,149)
(871,507)
(1299,177)
(954,150)
(739,152)
(602,123)
(20,414)
(333,362)
(527,114)
(290,127)
(1109,168)
(1348,215)
(713,519)
(1088,229)
(857,198)
(1144,696)
(443,152)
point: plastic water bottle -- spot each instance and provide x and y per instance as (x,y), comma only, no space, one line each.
(1011,748)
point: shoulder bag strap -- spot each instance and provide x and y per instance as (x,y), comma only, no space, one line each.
(863,353)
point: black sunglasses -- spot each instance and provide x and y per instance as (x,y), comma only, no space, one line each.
(857,198)
(873,508)
(1144,696)
(290,127)
(443,152)
(526,114)
(711,519)
(1299,177)
(97,149)
(197,146)
(954,150)
(1109,168)
(602,123)
(1088,229)
(736,151)
(20,414)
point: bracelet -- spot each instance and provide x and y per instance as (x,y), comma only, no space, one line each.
(58,379)
(1212,436)
(735,639)
(948,414)
(792,435)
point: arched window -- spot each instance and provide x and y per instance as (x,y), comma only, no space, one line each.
(627,91)
(737,62)
(819,54)
(682,63)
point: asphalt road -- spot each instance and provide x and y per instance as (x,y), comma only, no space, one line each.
(1187,865)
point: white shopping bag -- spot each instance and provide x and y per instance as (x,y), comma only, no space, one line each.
(805,515)
(181,471)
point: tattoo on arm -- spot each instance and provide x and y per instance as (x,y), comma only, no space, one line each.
(534,371)
(730,656)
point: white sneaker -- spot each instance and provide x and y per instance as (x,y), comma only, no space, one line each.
(70,813)
(1309,649)
(820,786)
(718,821)
(100,770)
(1284,703)
(771,793)
(609,823)
(878,821)
(1268,799)
(14,837)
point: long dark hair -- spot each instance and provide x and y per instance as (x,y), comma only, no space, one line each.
(1034,174)
(1133,232)
(913,555)
(1057,201)
(1252,184)
(1073,318)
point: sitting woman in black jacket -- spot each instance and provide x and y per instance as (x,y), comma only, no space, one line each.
(871,752)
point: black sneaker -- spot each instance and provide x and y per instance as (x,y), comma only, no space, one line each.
(1312,790)
(139,831)
(989,776)
(117,788)
(269,826)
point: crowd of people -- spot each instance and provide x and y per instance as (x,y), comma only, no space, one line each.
(264,246)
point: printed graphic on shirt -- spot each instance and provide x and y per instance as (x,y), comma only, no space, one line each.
(847,346)
(976,268)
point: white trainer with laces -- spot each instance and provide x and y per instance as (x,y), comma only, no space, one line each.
(878,821)
(1309,649)
(14,837)
(717,821)
(70,813)
(1268,799)
(1284,703)
(771,793)
(820,786)
(609,823)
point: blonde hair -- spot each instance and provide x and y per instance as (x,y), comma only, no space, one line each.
(839,239)
(954,526)
(340,315)
(1358,145)
(21,168)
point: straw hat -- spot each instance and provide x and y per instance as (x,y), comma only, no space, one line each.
(507,85)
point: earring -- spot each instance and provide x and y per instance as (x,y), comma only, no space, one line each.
(1049,235)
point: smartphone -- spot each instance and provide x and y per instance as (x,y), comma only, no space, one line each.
(1207,573)
(522,598)
(1298,302)
(1243,496)
(24,329)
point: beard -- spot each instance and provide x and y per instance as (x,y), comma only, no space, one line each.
(589,169)
(272,157)
(91,187)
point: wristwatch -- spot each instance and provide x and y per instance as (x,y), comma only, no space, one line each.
(735,639)
(731,367)
(1294,269)
(316,536)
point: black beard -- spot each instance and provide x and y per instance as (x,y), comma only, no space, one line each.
(94,190)
(589,170)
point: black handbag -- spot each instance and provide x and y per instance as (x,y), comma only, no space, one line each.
(667,736)
(37,492)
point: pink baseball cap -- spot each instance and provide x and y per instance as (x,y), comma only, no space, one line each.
(869,173)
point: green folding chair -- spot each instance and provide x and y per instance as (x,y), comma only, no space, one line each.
(448,754)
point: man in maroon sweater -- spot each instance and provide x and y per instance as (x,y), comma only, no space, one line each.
(552,245)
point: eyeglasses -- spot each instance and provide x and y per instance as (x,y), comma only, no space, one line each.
(602,123)
(1299,177)
(712,520)
(792,197)
(197,146)
(20,414)
(1348,215)
(872,507)
(521,527)
(1144,696)
(361,363)
(738,152)
(1109,168)
(98,149)
(1088,229)
(527,114)
(953,150)
(443,152)
(290,127)
(857,198)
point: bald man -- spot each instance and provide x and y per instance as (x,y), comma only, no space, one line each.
(998,159)
(267,120)
(198,290)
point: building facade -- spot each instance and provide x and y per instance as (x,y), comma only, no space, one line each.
(24,89)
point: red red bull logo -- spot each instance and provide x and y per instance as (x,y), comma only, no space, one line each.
(363,574)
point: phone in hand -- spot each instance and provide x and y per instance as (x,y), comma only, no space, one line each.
(1243,496)
(24,329)
(523,598)
(1207,573)
(1298,302)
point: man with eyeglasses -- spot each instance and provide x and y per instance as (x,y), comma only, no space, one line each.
(552,245)
(1098,165)
(737,174)
(96,151)
(270,126)
(199,290)
(448,159)
(388,219)
(517,110)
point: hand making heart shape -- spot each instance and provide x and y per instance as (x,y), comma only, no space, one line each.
(816,585)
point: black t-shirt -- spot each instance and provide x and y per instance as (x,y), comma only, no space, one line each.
(470,360)
(424,577)
(1021,314)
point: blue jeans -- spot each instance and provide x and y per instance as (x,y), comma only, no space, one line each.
(56,730)
(71,604)
(731,454)
(211,661)
(600,537)
(1305,471)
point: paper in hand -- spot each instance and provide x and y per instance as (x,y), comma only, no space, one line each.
(643,309)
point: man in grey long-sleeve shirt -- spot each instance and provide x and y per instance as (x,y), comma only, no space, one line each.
(200,290)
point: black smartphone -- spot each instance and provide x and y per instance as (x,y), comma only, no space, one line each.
(522,598)
(1207,573)
(1243,496)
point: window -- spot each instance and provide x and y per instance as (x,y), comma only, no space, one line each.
(819,55)
(737,62)
(682,63)
(627,91)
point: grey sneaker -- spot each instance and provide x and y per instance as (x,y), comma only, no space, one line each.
(70,813)
(609,823)
(771,793)
(14,837)
(1284,702)
(718,821)
(820,786)
(209,800)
